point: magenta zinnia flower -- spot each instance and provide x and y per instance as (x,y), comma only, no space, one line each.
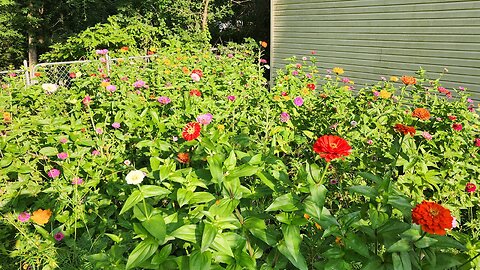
(111,88)
(86,100)
(477,142)
(205,119)
(62,155)
(164,100)
(231,98)
(77,181)
(116,125)
(139,84)
(95,152)
(427,135)
(53,173)
(298,101)
(23,217)
(284,117)
(457,126)
(59,236)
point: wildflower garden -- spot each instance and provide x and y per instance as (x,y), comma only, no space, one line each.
(194,161)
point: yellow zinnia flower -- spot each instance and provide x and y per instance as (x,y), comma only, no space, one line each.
(276,98)
(394,79)
(221,127)
(105,84)
(287,98)
(385,94)
(305,92)
(338,71)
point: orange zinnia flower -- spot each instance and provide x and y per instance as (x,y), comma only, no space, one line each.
(331,147)
(407,80)
(7,117)
(264,44)
(191,131)
(183,158)
(432,217)
(405,129)
(421,113)
(306,216)
(41,216)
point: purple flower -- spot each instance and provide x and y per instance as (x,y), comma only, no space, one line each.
(77,181)
(298,101)
(205,119)
(333,181)
(461,88)
(116,125)
(294,73)
(376,93)
(284,117)
(53,173)
(62,155)
(23,217)
(231,98)
(308,75)
(139,84)
(164,100)
(112,88)
(95,153)
(103,60)
(59,236)
(99,130)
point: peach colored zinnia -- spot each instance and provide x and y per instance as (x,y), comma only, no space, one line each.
(41,217)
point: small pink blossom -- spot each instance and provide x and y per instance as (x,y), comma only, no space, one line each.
(87,100)
(164,100)
(112,88)
(77,181)
(328,77)
(63,140)
(101,52)
(426,135)
(461,88)
(53,173)
(23,217)
(99,130)
(103,60)
(469,100)
(174,138)
(263,61)
(231,98)
(298,65)
(116,125)
(345,80)
(457,126)
(59,236)
(95,153)
(195,77)
(454,223)
(470,187)
(477,142)
(62,155)
(127,162)
(294,73)
(298,101)
(308,75)
(376,93)
(139,84)
(284,117)
(230,55)
(205,119)
(370,142)
(304,58)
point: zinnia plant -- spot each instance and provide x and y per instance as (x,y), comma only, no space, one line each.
(432,217)
(191,131)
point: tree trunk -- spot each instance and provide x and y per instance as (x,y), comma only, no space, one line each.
(205,16)
(32,50)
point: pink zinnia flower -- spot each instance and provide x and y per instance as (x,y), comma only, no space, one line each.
(304,58)
(116,125)
(95,152)
(370,142)
(62,155)
(205,119)
(63,140)
(77,181)
(87,100)
(263,61)
(376,93)
(454,223)
(427,135)
(284,117)
(298,101)
(164,100)
(294,73)
(53,173)
(477,142)
(139,84)
(230,55)
(470,187)
(345,80)
(103,60)
(59,236)
(195,77)
(23,217)
(102,51)
(231,98)
(457,126)
(308,75)
(99,130)
(111,88)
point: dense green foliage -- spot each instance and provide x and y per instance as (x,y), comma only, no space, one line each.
(247,193)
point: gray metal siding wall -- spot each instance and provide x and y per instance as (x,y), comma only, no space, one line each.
(374,38)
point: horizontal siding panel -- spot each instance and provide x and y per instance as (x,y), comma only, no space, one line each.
(373,38)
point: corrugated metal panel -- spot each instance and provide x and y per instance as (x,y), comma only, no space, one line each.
(373,38)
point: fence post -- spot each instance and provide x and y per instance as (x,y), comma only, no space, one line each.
(27,74)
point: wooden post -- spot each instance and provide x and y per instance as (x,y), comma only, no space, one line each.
(27,73)
(205,16)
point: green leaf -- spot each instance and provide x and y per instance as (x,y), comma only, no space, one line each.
(298,262)
(215,166)
(153,191)
(284,203)
(200,260)
(364,190)
(355,243)
(371,177)
(266,180)
(141,253)
(133,199)
(221,244)
(244,170)
(201,197)
(231,161)
(425,242)
(402,261)
(318,194)
(400,245)
(48,151)
(258,228)
(161,256)
(46,235)
(186,232)
(155,225)
(155,163)
(377,218)
(209,233)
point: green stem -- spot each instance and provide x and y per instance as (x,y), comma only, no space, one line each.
(421,237)
(322,178)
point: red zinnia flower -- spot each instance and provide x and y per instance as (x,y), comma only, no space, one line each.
(311,86)
(432,217)
(452,117)
(331,147)
(421,113)
(470,187)
(405,129)
(457,126)
(183,158)
(191,131)
(195,92)
(198,72)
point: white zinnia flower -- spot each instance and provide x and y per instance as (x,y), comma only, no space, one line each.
(135,177)
(49,88)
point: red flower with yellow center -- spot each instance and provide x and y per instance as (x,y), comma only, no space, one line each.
(191,131)
(195,92)
(432,217)
(405,129)
(331,147)
(407,80)
(421,113)
(311,86)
